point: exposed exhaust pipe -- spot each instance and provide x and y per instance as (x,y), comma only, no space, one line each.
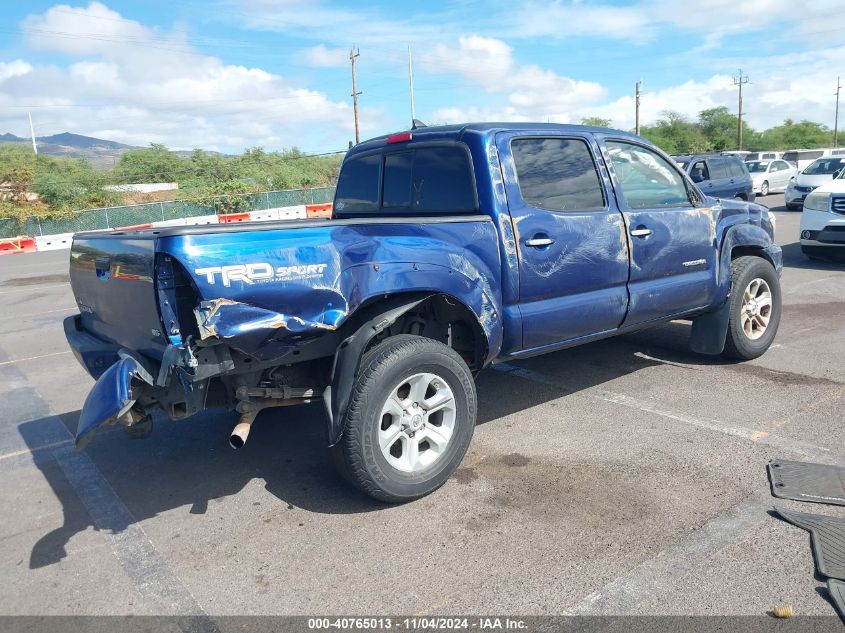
(241,431)
(249,409)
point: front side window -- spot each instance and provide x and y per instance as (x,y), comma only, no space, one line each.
(557,174)
(699,171)
(646,178)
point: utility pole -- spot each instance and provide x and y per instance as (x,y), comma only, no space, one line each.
(32,133)
(411,84)
(637,113)
(740,81)
(353,55)
(836,119)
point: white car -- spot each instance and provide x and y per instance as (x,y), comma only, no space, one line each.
(817,173)
(823,220)
(770,175)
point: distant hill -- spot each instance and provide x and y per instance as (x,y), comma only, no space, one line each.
(103,154)
(100,152)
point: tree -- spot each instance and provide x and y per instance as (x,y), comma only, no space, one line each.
(153,164)
(791,135)
(719,126)
(674,134)
(595,121)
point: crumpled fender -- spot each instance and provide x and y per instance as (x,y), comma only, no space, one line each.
(251,329)
(113,395)
(746,235)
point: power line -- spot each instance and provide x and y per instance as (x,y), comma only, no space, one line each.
(739,81)
(353,55)
(637,108)
(836,118)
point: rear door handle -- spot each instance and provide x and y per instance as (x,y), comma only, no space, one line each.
(539,242)
(641,232)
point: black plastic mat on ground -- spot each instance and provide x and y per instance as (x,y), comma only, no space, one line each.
(836,589)
(828,537)
(802,481)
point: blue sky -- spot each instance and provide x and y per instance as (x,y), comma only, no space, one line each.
(229,74)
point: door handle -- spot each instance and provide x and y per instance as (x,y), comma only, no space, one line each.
(539,242)
(641,232)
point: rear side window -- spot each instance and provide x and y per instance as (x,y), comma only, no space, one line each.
(557,174)
(718,168)
(429,180)
(358,185)
(425,180)
(735,168)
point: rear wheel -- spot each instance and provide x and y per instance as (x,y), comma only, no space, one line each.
(410,419)
(764,188)
(755,308)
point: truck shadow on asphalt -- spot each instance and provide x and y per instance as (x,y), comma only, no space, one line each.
(188,466)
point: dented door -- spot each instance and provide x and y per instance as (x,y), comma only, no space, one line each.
(573,255)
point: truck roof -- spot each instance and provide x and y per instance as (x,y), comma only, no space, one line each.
(447,132)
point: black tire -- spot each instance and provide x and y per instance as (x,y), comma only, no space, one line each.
(744,270)
(792,207)
(358,456)
(764,188)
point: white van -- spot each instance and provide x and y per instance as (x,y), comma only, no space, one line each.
(763,156)
(802,158)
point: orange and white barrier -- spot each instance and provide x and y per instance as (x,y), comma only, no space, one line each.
(56,242)
(319,210)
(25,244)
(19,244)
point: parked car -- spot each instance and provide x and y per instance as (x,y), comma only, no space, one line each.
(762,156)
(718,175)
(450,248)
(770,175)
(823,220)
(817,173)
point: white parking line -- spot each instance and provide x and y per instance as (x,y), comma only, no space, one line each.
(23,360)
(623,594)
(37,314)
(804,449)
(37,449)
(33,288)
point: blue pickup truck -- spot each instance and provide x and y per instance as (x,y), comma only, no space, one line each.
(451,248)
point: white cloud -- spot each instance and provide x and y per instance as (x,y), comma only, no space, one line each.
(322,57)
(533,93)
(178,95)
(16,68)
(566,19)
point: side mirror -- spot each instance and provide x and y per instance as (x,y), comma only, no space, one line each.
(836,174)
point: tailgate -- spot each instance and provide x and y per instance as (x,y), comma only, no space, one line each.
(112,276)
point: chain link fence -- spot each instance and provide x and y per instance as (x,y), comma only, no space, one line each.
(129,215)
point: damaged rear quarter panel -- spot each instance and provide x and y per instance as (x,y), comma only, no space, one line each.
(264,291)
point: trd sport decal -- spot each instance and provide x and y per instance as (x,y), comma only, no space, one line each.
(259,273)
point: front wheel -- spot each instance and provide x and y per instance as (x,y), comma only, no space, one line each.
(410,419)
(755,308)
(764,188)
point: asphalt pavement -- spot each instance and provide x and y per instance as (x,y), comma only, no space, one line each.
(621,477)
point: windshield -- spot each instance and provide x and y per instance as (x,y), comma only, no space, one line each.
(756,166)
(824,166)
